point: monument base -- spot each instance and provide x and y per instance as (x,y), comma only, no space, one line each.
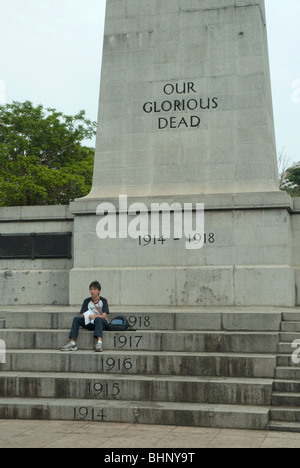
(245,259)
(194,286)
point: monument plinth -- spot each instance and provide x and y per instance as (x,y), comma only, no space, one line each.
(185,116)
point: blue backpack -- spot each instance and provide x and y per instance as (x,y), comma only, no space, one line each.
(119,323)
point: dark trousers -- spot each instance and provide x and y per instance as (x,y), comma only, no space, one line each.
(99,326)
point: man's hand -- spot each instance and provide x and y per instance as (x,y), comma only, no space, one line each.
(103,316)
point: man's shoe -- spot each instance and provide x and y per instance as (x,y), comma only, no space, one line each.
(99,347)
(69,347)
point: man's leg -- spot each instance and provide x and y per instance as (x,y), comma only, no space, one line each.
(100,326)
(77,323)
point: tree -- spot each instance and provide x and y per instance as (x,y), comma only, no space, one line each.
(284,161)
(289,176)
(293,180)
(42,158)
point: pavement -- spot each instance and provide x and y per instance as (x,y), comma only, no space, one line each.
(68,434)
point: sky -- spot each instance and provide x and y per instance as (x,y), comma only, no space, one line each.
(50,54)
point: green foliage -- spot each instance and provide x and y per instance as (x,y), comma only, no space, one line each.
(292,177)
(42,159)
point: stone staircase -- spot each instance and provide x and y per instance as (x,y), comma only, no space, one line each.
(190,367)
(285,411)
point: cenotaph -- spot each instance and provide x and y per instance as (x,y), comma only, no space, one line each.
(185,118)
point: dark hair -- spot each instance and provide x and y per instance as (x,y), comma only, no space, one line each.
(96,285)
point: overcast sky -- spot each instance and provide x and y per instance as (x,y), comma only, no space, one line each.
(50,54)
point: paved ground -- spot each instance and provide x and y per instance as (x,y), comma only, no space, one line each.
(65,434)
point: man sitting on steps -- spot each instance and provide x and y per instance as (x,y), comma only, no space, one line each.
(92,317)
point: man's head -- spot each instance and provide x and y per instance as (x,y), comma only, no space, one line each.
(95,289)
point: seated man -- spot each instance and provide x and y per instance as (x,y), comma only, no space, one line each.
(92,317)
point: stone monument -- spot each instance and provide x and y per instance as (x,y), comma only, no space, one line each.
(184,218)
(185,119)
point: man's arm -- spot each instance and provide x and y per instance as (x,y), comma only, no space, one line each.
(103,316)
(105,309)
(84,307)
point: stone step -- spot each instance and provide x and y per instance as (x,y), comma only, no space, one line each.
(138,320)
(282,386)
(148,319)
(157,413)
(187,341)
(291,316)
(286,399)
(284,426)
(2,323)
(286,348)
(287,373)
(285,360)
(292,327)
(289,337)
(146,388)
(284,413)
(142,363)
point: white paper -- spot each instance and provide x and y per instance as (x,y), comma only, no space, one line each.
(87,316)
